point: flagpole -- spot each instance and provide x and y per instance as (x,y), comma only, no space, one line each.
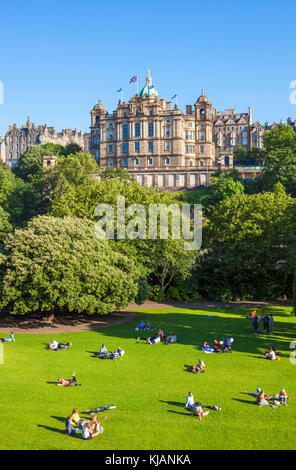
(137,85)
(122,95)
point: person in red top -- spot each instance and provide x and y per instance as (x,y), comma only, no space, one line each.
(67,383)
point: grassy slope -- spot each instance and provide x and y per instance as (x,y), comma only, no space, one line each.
(149,386)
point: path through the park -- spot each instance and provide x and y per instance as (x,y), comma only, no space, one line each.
(78,323)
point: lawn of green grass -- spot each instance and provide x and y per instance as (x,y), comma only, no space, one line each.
(150,384)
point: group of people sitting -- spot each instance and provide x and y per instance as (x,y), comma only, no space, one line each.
(195,407)
(103,353)
(218,346)
(89,428)
(265,400)
(143,326)
(267,322)
(160,336)
(56,346)
(8,340)
(199,368)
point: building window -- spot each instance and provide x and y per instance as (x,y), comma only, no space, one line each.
(137,161)
(110,134)
(202,135)
(201,163)
(150,146)
(167,131)
(10,155)
(110,124)
(110,163)
(190,163)
(167,145)
(97,131)
(125,131)
(189,124)
(226,160)
(150,161)
(168,119)
(137,146)
(124,163)
(137,129)
(150,112)
(137,113)
(150,129)
(167,161)
(97,154)
(97,141)
(110,148)
(124,114)
(189,148)
(201,149)
(125,147)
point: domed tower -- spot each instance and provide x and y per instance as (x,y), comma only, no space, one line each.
(149,89)
(205,148)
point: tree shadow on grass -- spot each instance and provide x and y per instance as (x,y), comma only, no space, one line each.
(59,418)
(49,428)
(174,403)
(249,402)
(195,329)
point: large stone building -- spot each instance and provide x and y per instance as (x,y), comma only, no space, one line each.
(18,139)
(159,145)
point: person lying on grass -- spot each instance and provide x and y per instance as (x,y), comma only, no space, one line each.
(55,346)
(198,411)
(171,339)
(69,382)
(151,340)
(8,340)
(200,366)
(262,400)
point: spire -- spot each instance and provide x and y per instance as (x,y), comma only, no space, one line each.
(28,120)
(202,92)
(148,79)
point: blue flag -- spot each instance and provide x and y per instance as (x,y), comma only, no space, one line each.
(175,96)
(118,91)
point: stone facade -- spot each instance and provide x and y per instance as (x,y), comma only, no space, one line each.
(17,139)
(159,145)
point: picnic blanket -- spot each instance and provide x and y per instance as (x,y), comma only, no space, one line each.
(208,349)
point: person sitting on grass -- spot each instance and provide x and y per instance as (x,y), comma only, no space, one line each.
(69,382)
(95,424)
(103,353)
(87,431)
(55,346)
(141,325)
(282,396)
(200,366)
(8,340)
(160,333)
(190,403)
(171,339)
(270,354)
(217,346)
(198,411)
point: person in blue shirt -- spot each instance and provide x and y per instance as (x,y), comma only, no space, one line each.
(8,340)
(103,353)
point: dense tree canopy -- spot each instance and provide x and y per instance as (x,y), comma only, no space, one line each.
(59,265)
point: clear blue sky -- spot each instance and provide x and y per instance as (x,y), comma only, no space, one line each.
(59,57)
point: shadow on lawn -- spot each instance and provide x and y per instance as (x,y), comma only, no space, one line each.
(195,329)
(249,402)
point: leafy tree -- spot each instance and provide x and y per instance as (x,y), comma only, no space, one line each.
(70,149)
(279,159)
(58,265)
(115,173)
(5,226)
(246,248)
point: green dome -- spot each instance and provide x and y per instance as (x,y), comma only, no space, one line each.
(149,89)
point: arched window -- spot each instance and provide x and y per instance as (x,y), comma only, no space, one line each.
(202,113)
